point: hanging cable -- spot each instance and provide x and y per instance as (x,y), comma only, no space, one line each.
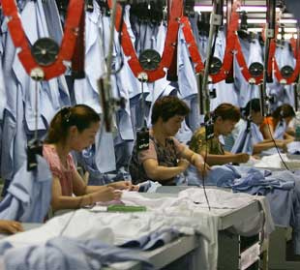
(36,112)
(71,217)
(142,136)
(203,180)
(34,147)
(269,34)
(277,148)
(108,103)
(204,98)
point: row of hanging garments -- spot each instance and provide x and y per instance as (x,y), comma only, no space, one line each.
(43,19)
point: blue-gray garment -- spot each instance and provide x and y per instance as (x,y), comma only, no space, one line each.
(220,176)
(280,130)
(294,148)
(283,94)
(153,240)
(193,119)
(253,53)
(29,194)
(86,90)
(19,118)
(68,254)
(280,201)
(258,182)
(186,74)
(94,160)
(243,142)
(225,92)
(295,219)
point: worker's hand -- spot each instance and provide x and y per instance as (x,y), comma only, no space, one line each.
(241,158)
(121,185)
(282,145)
(106,194)
(183,164)
(10,226)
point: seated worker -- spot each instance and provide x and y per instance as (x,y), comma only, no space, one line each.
(225,117)
(252,112)
(166,157)
(283,115)
(74,129)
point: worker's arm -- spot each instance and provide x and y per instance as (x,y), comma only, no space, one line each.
(160,173)
(60,201)
(227,158)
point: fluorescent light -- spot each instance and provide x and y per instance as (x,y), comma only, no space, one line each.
(243,8)
(253,8)
(289,30)
(288,21)
(254,30)
(287,36)
(256,21)
(203,8)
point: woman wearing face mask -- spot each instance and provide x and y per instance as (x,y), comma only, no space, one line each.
(74,129)
(166,157)
(225,117)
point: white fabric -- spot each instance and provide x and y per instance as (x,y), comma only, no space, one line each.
(192,203)
(187,213)
(277,161)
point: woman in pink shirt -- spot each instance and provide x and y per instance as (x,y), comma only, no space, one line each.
(74,129)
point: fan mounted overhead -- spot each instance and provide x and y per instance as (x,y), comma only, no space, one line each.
(45,51)
(286,71)
(215,65)
(149,59)
(256,69)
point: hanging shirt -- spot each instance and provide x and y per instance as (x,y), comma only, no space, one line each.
(29,194)
(225,92)
(166,155)
(63,173)
(253,53)
(199,143)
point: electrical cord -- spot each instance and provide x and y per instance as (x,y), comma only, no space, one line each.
(277,148)
(72,215)
(203,179)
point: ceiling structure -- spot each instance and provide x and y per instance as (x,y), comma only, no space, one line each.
(256,13)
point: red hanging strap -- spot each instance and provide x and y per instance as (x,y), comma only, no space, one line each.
(170,42)
(243,65)
(192,45)
(79,53)
(19,39)
(230,45)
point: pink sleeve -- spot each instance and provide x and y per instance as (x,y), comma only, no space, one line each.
(53,162)
(147,154)
(71,162)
